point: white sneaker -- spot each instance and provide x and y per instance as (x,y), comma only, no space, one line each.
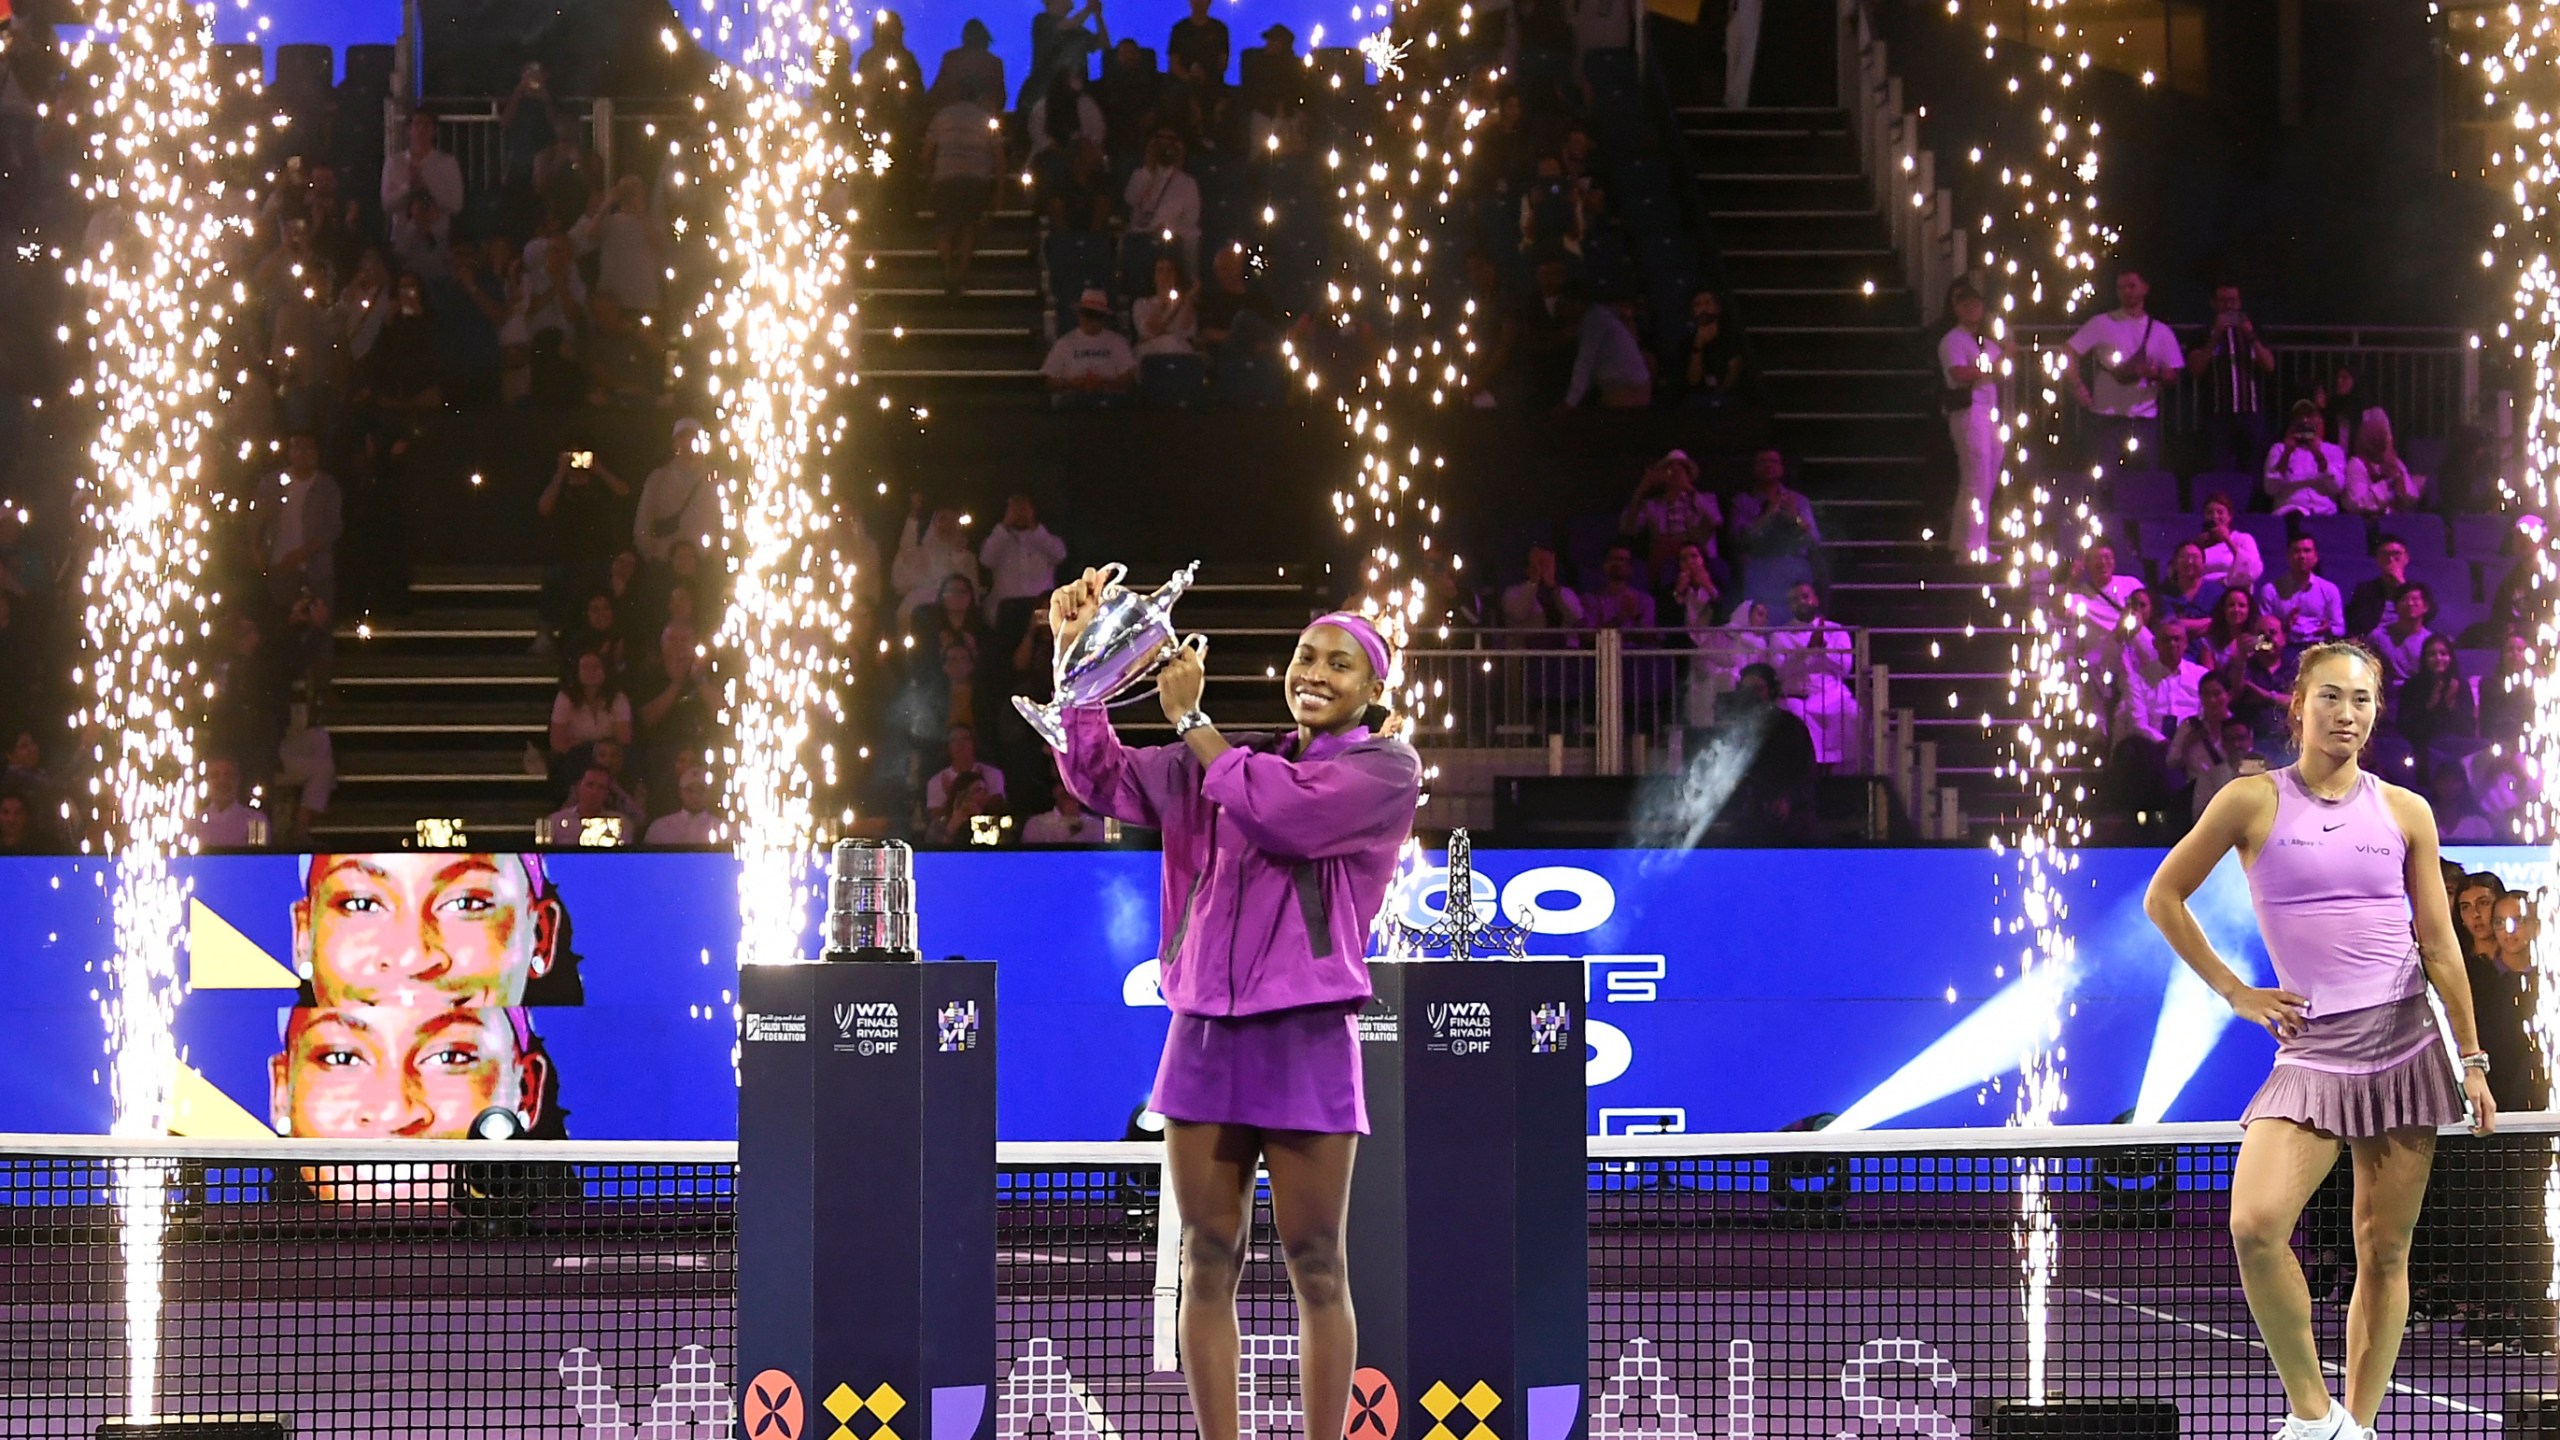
(2333,1426)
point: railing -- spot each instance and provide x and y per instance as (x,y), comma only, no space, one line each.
(470,131)
(2428,378)
(1630,696)
(1901,173)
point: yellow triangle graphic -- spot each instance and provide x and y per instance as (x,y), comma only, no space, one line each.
(196,1108)
(219,957)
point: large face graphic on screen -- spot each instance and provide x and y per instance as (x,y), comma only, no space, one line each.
(424,930)
(380,1072)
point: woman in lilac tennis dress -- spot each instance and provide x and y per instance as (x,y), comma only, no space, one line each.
(1278,850)
(2339,865)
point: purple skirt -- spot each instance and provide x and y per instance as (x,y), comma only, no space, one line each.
(1281,1070)
(2363,1074)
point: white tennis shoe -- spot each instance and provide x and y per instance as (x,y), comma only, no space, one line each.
(2333,1426)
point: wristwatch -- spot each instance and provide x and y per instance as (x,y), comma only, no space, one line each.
(1196,720)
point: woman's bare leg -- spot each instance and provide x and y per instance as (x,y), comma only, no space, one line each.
(2391,1184)
(1211,1169)
(2280,1165)
(1310,1205)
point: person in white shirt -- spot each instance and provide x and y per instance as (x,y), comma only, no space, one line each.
(2136,357)
(301,516)
(963,745)
(931,549)
(2378,480)
(1167,321)
(421,167)
(1164,201)
(1091,364)
(1068,824)
(2400,641)
(1969,361)
(680,501)
(1816,660)
(2305,474)
(2158,688)
(630,246)
(2307,604)
(306,774)
(1021,556)
(2231,558)
(2099,595)
(696,823)
(226,823)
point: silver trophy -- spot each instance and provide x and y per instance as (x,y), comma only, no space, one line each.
(871,901)
(1131,635)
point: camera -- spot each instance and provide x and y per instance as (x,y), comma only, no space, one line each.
(582,459)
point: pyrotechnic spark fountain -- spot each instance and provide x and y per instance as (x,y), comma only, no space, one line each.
(1384,357)
(2040,258)
(780,346)
(159,298)
(2516,51)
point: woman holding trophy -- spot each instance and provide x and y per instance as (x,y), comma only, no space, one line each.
(1278,851)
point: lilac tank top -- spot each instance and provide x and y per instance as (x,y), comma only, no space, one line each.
(2331,889)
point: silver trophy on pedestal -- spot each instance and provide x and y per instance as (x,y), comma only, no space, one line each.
(871,901)
(1130,637)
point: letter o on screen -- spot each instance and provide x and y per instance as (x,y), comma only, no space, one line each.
(1530,895)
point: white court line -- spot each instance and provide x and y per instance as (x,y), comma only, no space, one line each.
(2218,1333)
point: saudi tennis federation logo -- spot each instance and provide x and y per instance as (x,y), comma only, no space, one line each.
(773,1407)
(1550,1025)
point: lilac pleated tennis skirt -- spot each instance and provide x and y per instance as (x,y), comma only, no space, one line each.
(2362,1074)
(1281,1070)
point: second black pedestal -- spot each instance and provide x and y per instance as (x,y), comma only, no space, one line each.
(866,1201)
(1468,1227)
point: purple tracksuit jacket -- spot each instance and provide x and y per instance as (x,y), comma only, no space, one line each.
(1273,868)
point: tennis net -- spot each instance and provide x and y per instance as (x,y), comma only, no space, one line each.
(1793,1285)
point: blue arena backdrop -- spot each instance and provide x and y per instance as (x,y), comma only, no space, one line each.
(1730,989)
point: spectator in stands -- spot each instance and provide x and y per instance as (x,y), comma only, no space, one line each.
(1167,320)
(963,154)
(961,751)
(1059,42)
(2305,474)
(2436,702)
(1067,822)
(2378,480)
(2506,693)
(1669,512)
(580,514)
(2231,557)
(225,822)
(588,707)
(2342,410)
(1775,799)
(1092,364)
(1240,325)
(2306,602)
(952,619)
(680,501)
(420,234)
(2099,595)
(471,304)
(598,630)
(2235,367)
(2184,597)
(625,368)
(1541,601)
(931,549)
(2401,640)
(888,78)
(528,120)
(595,798)
(1066,118)
(566,177)
(1970,358)
(1619,603)
(2136,358)
(2369,604)
(2159,686)
(306,775)
(1817,661)
(676,702)
(2198,744)
(954,821)
(1609,364)
(20,826)
(630,245)
(1200,38)
(1774,534)
(1164,201)
(1493,321)
(1711,373)
(1021,559)
(300,516)
(971,70)
(693,821)
(2239,757)
(2232,635)
(555,292)
(1129,89)
(421,168)
(1698,594)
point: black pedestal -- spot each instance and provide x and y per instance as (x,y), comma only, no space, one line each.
(2080,1420)
(866,1201)
(1467,1207)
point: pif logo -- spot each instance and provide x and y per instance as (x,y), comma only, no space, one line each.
(1373,1407)
(773,1407)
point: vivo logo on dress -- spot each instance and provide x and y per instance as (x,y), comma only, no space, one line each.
(1460,1027)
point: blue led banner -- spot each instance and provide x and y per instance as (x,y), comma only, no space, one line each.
(595,992)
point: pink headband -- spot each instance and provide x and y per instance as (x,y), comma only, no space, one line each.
(1364,632)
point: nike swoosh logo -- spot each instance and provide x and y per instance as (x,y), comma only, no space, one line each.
(2325,829)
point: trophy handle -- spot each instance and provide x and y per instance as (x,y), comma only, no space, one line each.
(1112,575)
(1196,643)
